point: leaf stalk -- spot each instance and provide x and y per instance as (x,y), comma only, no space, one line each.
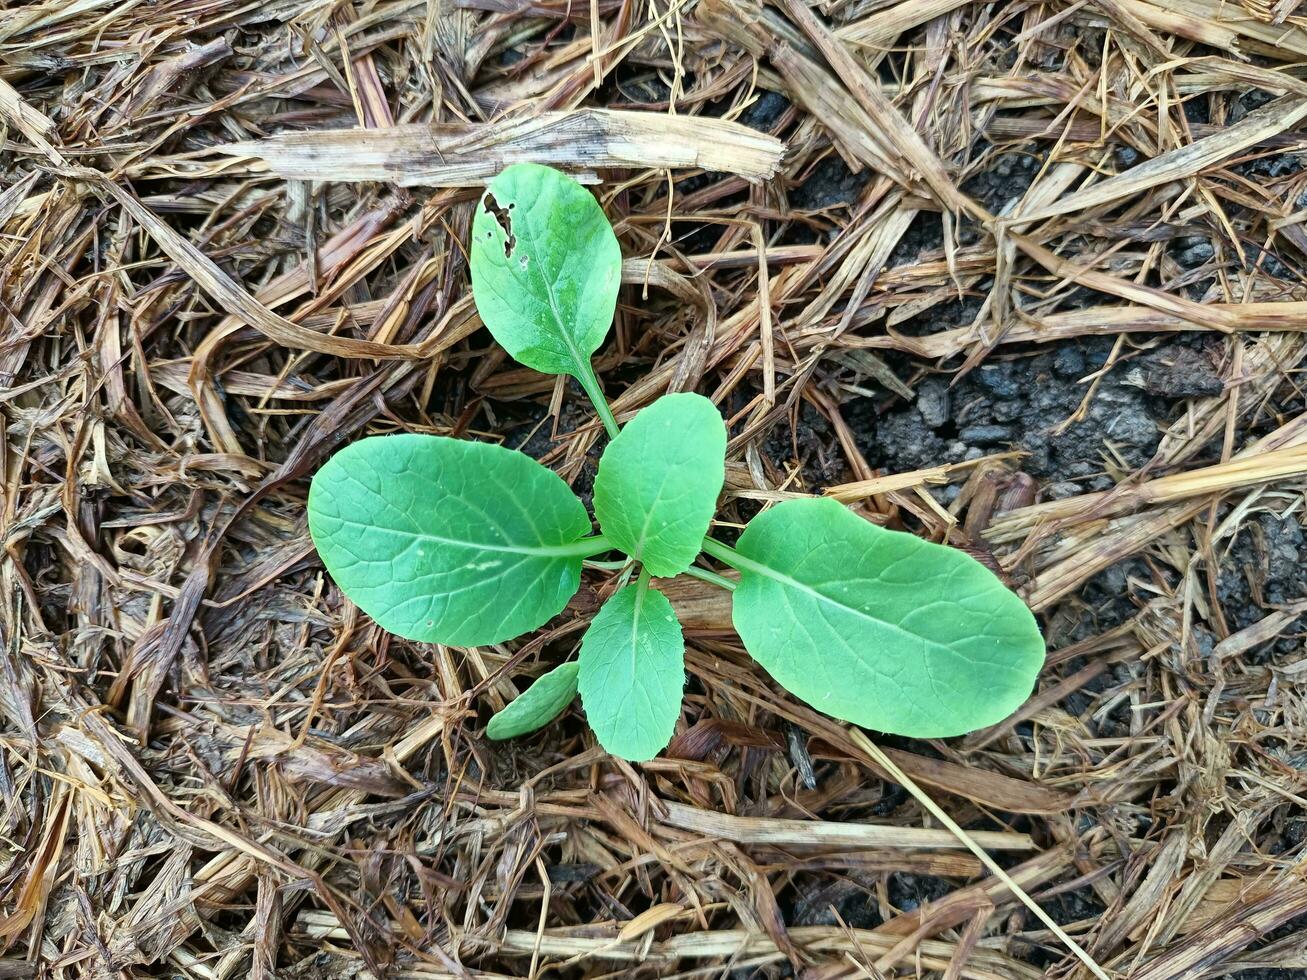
(596,544)
(727,555)
(712,578)
(585,373)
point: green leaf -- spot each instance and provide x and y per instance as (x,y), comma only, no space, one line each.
(546,268)
(633,672)
(878,627)
(448,541)
(658,481)
(537,706)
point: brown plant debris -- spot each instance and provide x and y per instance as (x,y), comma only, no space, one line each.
(1023,277)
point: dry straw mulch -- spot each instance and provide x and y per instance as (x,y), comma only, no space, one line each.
(231,238)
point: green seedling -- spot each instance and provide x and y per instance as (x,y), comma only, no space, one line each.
(466,543)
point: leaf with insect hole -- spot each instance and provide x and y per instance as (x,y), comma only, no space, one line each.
(546,268)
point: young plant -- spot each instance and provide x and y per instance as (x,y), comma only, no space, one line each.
(467,543)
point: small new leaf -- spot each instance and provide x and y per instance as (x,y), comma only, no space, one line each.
(881,628)
(658,481)
(632,673)
(546,268)
(538,705)
(445,540)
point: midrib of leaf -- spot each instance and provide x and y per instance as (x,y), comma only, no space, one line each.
(558,322)
(742,563)
(580,548)
(641,587)
(648,518)
(584,372)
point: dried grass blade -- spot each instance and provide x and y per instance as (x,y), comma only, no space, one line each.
(235,300)
(765,830)
(974,845)
(470,154)
(1185,161)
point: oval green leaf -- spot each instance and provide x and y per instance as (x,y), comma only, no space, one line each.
(658,481)
(881,628)
(546,268)
(448,541)
(632,673)
(537,706)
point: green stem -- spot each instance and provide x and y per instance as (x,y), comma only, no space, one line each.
(608,566)
(642,584)
(727,555)
(596,544)
(721,581)
(585,373)
(624,577)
